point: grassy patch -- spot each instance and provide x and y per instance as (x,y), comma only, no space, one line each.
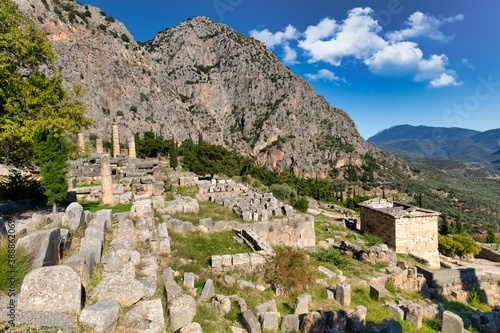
(200,247)
(96,206)
(209,209)
(187,191)
(320,231)
(21,265)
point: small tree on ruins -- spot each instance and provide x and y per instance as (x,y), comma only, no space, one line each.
(51,151)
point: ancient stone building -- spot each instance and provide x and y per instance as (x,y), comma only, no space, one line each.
(405,228)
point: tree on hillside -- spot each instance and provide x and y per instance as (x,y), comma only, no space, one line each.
(174,153)
(491,238)
(443,227)
(32,97)
(51,150)
(212,159)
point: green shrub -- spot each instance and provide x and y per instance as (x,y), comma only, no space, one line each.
(284,193)
(133,108)
(475,295)
(289,271)
(332,256)
(302,205)
(12,272)
(125,38)
(16,186)
(458,245)
(373,239)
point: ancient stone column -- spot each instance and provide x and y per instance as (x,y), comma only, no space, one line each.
(98,146)
(81,141)
(106,181)
(131,147)
(116,141)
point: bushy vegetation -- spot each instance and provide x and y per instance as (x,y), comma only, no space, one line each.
(289,271)
(33,97)
(458,245)
(302,205)
(20,265)
(332,256)
(284,193)
(17,186)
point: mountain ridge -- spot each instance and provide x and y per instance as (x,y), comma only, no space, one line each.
(442,143)
(200,76)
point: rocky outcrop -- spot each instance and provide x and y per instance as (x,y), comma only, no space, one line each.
(200,76)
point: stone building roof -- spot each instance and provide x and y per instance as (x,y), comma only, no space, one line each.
(396,209)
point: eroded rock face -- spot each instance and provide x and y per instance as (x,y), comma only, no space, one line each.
(201,76)
(55,289)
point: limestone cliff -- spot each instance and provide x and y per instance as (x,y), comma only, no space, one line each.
(199,76)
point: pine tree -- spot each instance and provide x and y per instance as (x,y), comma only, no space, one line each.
(443,228)
(459,227)
(200,140)
(51,153)
(420,200)
(174,153)
(383,193)
(491,236)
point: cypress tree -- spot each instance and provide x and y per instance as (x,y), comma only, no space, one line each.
(51,151)
(173,154)
(443,228)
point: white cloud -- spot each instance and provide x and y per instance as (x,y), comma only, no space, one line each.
(290,57)
(356,37)
(360,37)
(271,40)
(324,74)
(325,28)
(406,59)
(467,63)
(420,24)
(444,80)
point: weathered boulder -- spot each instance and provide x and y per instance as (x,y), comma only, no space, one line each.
(356,320)
(42,246)
(112,263)
(250,322)
(73,216)
(389,325)
(55,289)
(126,290)
(222,304)
(93,245)
(172,290)
(266,307)
(181,311)
(146,317)
(101,317)
(452,323)
(377,291)
(269,321)
(208,290)
(191,328)
(313,322)
(290,324)
(301,305)
(83,263)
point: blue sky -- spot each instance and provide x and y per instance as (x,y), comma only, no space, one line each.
(386,63)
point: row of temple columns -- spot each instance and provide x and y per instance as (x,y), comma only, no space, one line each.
(116,143)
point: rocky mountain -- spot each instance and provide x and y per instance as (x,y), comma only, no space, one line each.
(200,76)
(442,143)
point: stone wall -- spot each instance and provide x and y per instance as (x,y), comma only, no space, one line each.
(294,231)
(418,235)
(489,254)
(455,281)
(380,224)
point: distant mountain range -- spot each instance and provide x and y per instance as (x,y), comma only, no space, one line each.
(442,143)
